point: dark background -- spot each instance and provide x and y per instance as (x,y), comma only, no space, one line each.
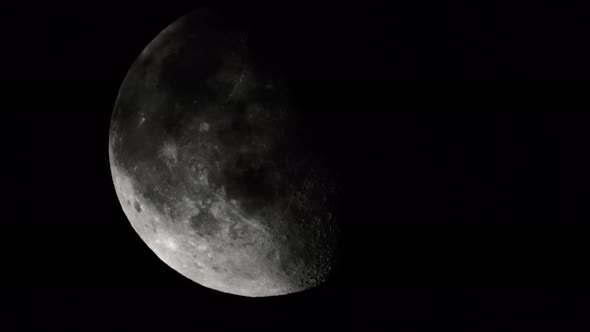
(460,131)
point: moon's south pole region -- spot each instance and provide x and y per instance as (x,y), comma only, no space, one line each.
(210,164)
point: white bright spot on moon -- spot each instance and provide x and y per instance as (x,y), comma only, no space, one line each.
(215,210)
(203,177)
(204,127)
(171,244)
(169,151)
(168,242)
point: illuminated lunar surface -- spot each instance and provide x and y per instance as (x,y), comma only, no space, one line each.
(210,169)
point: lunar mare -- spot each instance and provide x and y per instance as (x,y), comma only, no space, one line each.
(209,169)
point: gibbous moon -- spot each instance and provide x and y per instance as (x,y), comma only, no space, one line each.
(211,164)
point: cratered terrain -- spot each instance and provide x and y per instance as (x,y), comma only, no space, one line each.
(212,166)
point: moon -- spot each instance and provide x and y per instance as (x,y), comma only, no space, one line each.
(212,164)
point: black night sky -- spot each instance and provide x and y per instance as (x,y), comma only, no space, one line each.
(460,131)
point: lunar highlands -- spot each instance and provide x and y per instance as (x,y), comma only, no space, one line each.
(213,168)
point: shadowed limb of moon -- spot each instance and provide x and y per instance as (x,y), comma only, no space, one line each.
(209,169)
